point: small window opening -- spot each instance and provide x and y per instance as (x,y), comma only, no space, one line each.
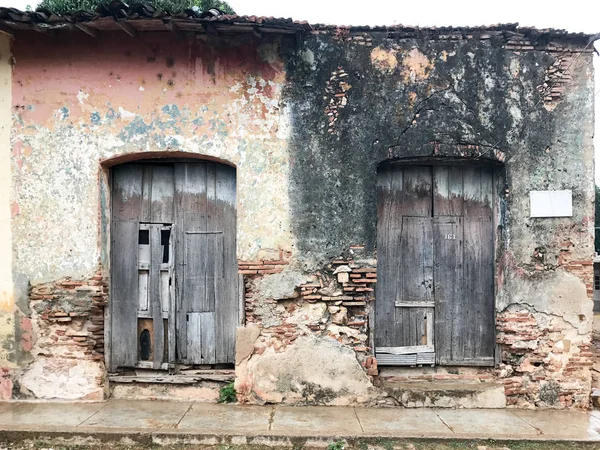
(144,237)
(597,282)
(145,345)
(165,237)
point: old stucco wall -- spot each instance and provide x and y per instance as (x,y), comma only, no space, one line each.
(358,100)
(306,127)
(109,97)
(7,302)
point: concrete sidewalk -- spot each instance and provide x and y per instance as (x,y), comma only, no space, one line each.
(161,422)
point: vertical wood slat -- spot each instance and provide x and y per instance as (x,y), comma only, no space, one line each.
(162,192)
(447,191)
(448,284)
(127,193)
(386,287)
(417,262)
(227,308)
(172,319)
(479,264)
(124,293)
(154,295)
(416,191)
(202,348)
(210,275)
(179,314)
(146,211)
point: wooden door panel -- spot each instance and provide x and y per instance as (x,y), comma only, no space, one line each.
(468,336)
(202,349)
(124,294)
(227,309)
(448,287)
(207,283)
(404,312)
(479,334)
(389,227)
(417,259)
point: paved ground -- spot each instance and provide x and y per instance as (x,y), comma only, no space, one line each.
(160,422)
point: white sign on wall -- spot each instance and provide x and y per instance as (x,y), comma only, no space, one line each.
(551,203)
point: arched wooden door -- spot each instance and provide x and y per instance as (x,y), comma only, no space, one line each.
(435,269)
(174,285)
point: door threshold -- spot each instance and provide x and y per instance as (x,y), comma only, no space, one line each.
(171,379)
(220,375)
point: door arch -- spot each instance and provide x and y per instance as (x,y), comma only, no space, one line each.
(435,243)
(174,287)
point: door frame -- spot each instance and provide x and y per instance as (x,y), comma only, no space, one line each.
(499,177)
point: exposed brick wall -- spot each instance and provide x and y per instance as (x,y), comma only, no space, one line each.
(538,366)
(584,270)
(344,288)
(70,314)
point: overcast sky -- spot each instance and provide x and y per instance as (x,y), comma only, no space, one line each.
(572,15)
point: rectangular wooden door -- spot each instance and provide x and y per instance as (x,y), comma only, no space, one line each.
(174,280)
(435,291)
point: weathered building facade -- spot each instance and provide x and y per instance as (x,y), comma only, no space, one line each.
(326,215)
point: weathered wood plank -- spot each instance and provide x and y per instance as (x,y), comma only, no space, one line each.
(479,289)
(156,255)
(386,286)
(208,338)
(143,279)
(124,293)
(180,314)
(417,262)
(190,213)
(146,212)
(201,337)
(405,350)
(127,193)
(447,191)
(162,194)
(171,379)
(448,287)
(415,304)
(211,240)
(227,307)
(417,191)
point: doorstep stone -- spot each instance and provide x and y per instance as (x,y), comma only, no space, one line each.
(411,394)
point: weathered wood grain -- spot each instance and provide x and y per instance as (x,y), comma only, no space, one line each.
(124,293)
